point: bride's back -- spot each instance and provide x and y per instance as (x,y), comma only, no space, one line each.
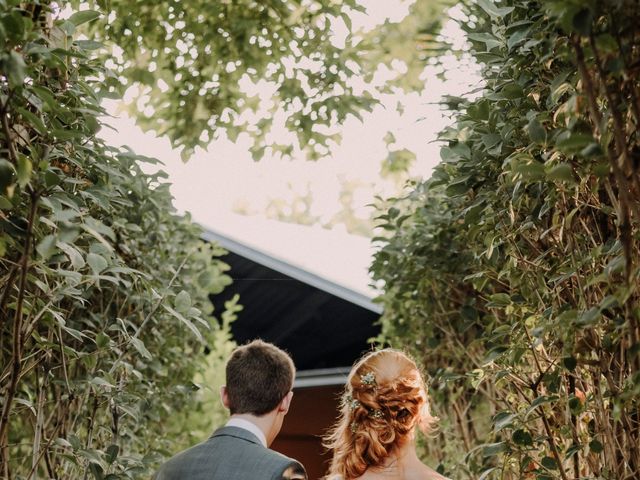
(417,472)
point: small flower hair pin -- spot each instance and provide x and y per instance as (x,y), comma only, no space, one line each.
(351,402)
(376,414)
(354,427)
(368,379)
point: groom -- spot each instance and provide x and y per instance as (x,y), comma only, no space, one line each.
(258,393)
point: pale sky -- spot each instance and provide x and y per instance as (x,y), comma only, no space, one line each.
(216,180)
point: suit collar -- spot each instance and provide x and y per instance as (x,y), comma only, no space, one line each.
(237,432)
(246,424)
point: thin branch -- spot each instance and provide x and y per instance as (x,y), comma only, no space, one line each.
(17,327)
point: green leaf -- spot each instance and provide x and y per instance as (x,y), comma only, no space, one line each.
(75,442)
(47,246)
(398,161)
(89,44)
(522,437)
(493,449)
(84,16)
(389,138)
(112,453)
(100,382)
(96,262)
(479,110)
(186,322)
(529,170)
(7,173)
(539,401)
(62,442)
(15,69)
(74,255)
(493,10)
(570,363)
(499,300)
(574,143)
(575,405)
(489,40)
(140,347)
(549,463)
(87,228)
(5,203)
(24,170)
(32,119)
(182,302)
(13,25)
(102,340)
(589,317)
(536,132)
(595,446)
(562,172)
(491,139)
(607,44)
(517,37)
(45,95)
(51,179)
(503,420)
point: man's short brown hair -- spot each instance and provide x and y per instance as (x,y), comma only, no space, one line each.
(259,375)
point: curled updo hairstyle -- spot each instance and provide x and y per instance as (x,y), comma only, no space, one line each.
(384,400)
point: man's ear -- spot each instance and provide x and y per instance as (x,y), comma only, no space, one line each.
(224,396)
(285,403)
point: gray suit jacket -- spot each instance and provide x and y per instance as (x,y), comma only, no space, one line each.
(231,453)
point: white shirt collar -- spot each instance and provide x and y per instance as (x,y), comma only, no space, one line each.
(249,426)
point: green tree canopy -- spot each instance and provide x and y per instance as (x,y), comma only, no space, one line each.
(197,64)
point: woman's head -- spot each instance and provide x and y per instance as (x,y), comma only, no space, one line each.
(384,400)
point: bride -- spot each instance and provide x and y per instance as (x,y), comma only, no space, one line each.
(374,438)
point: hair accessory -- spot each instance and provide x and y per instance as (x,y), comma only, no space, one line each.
(354,427)
(351,402)
(368,379)
(376,414)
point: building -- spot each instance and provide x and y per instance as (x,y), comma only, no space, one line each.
(306,289)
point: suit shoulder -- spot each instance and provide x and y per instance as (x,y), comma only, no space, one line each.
(291,468)
(281,457)
(295,471)
(181,458)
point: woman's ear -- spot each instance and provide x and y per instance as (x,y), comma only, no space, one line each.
(285,403)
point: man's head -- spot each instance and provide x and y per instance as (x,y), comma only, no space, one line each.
(259,376)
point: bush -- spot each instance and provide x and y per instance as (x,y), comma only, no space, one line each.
(513,272)
(103,288)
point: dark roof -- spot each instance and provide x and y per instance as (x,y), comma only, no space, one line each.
(322,324)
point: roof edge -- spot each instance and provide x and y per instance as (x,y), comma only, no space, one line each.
(290,270)
(322,377)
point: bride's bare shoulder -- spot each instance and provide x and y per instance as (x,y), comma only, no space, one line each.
(423,473)
(430,474)
(436,476)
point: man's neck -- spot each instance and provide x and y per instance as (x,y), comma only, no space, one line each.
(263,423)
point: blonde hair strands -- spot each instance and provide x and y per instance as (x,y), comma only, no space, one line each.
(384,400)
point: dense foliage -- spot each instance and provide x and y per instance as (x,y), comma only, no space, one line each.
(513,273)
(194,63)
(200,70)
(104,309)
